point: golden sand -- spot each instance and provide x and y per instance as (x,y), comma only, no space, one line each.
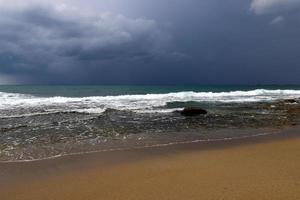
(269,170)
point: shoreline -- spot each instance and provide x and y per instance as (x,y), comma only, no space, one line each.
(14,176)
(263,132)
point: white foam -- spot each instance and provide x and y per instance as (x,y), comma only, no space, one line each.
(90,110)
(138,103)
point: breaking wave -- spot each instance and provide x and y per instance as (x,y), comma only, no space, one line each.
(137,103)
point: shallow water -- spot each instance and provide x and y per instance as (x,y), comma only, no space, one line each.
(35,123)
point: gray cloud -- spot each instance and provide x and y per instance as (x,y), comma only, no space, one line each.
(271,6)
(43,38)
(277,20)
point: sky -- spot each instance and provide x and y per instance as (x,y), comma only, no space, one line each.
(157,42)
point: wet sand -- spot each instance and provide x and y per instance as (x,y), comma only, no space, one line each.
(260,168)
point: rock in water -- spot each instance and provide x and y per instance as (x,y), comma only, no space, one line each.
(292,101)
(193,111)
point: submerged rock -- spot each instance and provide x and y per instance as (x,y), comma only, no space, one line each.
(193,111)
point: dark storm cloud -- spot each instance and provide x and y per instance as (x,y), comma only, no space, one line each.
(42,40)
(150,42)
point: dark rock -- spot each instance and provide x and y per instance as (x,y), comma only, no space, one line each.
(290,101)
(193,111)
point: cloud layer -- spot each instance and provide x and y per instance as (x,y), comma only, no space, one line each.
(76,42)
(269,6)
(58,38)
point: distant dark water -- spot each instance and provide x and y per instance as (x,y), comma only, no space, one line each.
(37,122)
(94,90)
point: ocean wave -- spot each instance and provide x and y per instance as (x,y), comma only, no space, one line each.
(138,103)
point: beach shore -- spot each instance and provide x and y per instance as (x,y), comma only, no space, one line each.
(260,168)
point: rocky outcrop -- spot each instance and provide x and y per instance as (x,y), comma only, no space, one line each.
(193,111)
(291,101)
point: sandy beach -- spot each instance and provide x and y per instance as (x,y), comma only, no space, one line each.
(261,169)
(149,100)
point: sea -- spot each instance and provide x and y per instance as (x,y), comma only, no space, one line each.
(44,122)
